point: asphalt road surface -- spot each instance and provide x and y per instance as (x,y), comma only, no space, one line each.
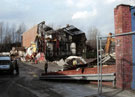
(27,84)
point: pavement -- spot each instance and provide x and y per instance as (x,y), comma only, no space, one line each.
(27,84)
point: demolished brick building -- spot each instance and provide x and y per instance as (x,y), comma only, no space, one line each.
(59,43)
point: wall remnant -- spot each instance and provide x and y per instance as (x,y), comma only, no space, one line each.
(124,47)
(29,36)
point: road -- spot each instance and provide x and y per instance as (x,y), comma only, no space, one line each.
(27,84)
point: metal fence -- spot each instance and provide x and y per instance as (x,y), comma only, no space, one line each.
(100,55)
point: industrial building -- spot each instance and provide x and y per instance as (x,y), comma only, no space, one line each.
(59,43)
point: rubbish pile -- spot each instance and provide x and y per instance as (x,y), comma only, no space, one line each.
(72,62)
(75,62)
(109,59)
(27,54)
(32,55)
(17,52)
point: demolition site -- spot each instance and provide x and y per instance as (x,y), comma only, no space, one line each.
(61,62)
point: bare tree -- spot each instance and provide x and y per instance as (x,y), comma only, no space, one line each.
(7,34)
(19,32)
(7,39)
(13,30)
(10,35)
(1,31)
(92,33)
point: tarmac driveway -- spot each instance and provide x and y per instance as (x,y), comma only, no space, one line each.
(27,84)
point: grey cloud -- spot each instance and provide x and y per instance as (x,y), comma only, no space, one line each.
(58,12)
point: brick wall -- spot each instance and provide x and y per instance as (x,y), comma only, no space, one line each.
(123,47)
(105,70)
(29,36)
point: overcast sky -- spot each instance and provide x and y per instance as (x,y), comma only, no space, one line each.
(81,13)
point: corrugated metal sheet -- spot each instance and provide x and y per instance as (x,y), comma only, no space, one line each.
(73,30)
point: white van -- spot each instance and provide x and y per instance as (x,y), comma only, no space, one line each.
(6,64)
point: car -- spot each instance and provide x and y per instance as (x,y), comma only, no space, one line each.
(6,64)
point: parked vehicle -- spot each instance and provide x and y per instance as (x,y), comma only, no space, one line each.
(6,65)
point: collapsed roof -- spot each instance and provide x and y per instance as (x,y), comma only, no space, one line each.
(72,30)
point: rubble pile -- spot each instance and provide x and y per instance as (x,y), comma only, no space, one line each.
(72,62)
(18,52)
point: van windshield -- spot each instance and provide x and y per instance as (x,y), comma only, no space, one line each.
(4,62)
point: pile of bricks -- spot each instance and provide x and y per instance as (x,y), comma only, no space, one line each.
(105,70)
